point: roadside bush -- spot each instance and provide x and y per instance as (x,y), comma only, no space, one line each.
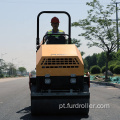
(86,70)
(112,67)
(118,63)
(1,75)
(103,69)
(95,69)
(113,62)
(117,69)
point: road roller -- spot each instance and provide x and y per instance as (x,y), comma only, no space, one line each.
(60,85)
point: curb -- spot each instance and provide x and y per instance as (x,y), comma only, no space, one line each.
(106,83)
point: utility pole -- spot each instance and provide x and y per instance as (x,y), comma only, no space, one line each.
(117,30)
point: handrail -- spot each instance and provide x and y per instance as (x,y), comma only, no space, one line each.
(69,25)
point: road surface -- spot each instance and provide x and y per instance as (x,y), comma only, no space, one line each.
(15,102)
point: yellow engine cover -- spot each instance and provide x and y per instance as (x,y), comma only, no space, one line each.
(59,60)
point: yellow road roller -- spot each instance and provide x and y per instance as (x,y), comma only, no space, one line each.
(60,86)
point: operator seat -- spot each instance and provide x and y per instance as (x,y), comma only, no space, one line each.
(54,40)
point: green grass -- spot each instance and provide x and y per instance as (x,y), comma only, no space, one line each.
(116,75)
(100,74)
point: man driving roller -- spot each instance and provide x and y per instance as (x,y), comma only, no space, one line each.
(55,24)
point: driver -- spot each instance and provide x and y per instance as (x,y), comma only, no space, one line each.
(55,24)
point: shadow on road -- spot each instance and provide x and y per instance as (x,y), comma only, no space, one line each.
(25,110)
(27,116)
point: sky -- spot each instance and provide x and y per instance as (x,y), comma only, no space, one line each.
(18,27)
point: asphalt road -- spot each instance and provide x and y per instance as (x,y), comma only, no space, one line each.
(15,102)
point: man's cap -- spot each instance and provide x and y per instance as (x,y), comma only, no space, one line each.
(55,20)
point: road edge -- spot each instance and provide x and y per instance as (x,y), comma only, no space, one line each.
(106,83)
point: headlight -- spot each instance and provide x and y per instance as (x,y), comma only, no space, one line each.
(73,75)
(47,81)
(47,75)
(72,80)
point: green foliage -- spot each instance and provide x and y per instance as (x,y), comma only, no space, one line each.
(2,65)
(22,69)
(82,53)
(112,62)
(117,69)
(99,29)
(112,67)
(33,72)
(11,69)
(94,59)
(118,55)
(76,42)
(95,69)
(103,69)
(117,63)
(7,67)
(90,61)
(86,70)
(112,56)
(1,75)
(101,59)
(85,64)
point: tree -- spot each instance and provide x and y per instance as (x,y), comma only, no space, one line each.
(99,28)
(33,72)
(94,59)
(22,69)
(103,69)
(85,65)
(1,65)
(101,59)
(118,55)
(117,69)
(88,62)
(112,67)
(76,42)
(11,69)
(95,69)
